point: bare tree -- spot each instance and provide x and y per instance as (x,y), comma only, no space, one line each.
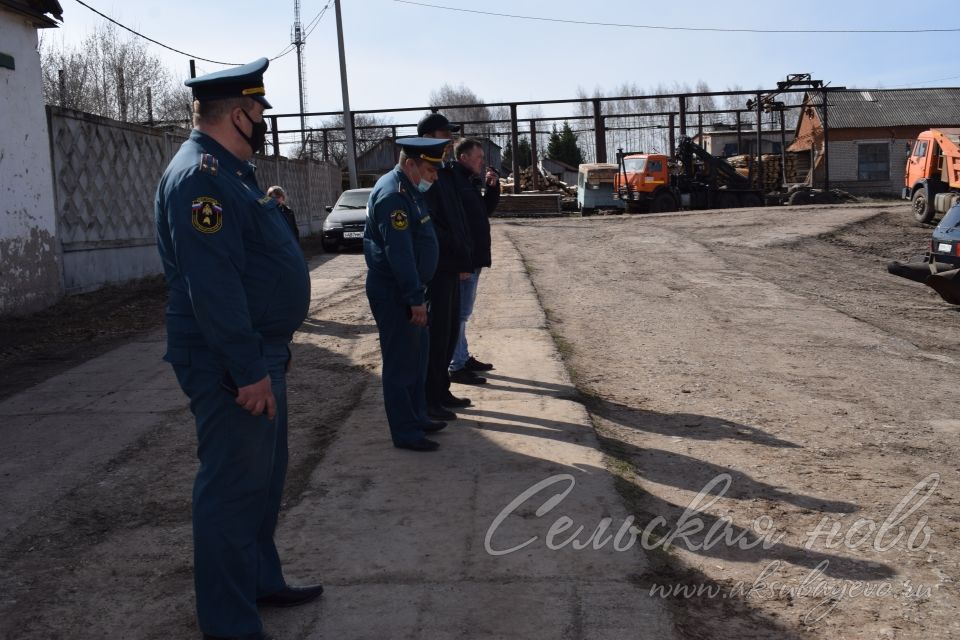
(369,131)
(114,78)
(448,97)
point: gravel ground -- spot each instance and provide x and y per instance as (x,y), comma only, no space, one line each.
(768,350)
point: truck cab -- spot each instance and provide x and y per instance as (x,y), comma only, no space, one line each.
(932,173)
(642,173)
(643,181)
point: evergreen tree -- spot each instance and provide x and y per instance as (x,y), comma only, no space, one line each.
(524,152)
(563,146)
(523,144)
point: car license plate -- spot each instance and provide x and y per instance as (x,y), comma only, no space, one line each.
(943,247)
(352,235)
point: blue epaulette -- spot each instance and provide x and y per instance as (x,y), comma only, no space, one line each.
(209,164)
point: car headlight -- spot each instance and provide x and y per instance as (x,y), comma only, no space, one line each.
(330,226)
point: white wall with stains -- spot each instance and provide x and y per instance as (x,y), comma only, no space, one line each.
(29,268)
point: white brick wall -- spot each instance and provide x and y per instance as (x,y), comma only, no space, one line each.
(844,157)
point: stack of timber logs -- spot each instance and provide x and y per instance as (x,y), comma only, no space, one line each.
(545,182)
(772,176)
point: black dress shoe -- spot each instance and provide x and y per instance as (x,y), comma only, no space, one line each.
(463,376)
(260,635)
(433,427)
(419,445)
(455,402)
(439,413)
(291,596)
(473,364)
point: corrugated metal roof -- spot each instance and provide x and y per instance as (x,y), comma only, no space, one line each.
(36,10)
(856,108)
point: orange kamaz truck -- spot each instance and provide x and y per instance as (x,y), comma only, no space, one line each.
(691,179)
(932,176)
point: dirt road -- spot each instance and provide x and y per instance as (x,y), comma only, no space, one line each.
(770,349)
(765,352)
(98,463)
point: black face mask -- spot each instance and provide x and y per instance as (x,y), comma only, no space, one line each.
(257,137)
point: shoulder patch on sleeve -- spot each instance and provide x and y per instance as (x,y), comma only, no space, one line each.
(209,164)
(206,214)
(399,220)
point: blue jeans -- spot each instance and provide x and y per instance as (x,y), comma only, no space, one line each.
(468,295)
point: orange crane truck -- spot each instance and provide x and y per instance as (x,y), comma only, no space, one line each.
(932,176)
(692,179)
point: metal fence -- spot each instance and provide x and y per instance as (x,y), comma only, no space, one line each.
(105,178)
(602,124)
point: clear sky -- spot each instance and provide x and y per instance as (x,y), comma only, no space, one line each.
(397,53)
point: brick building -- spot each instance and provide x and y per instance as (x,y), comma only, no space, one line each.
(870,132)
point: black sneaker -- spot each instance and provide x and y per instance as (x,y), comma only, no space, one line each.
(439,413)
(433,426)
(455,402)
(291,596)
(473,364)
(419,445)
(463,376)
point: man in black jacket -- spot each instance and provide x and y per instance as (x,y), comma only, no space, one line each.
(468,172)
(443,293)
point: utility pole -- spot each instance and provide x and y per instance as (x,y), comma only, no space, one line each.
(296,39)
(347,116)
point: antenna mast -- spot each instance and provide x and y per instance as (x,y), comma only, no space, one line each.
(296,39)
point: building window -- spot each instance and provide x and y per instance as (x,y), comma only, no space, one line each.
(873,161)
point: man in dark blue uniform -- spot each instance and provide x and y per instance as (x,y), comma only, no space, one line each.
(239,288)
(400,247)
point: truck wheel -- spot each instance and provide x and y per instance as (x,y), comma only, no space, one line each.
(586,211)
(663,203)
(752,200)
(800,197)
(922,207)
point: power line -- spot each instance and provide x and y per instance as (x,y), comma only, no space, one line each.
(283,52)
(287,49)
(140,35)
(909,86)
(313,23)
(667,28)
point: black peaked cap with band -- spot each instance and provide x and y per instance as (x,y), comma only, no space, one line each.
(238,82)
(433,122)
(428,149)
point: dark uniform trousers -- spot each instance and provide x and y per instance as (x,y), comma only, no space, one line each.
(235,559)
(444,295)
(405,348)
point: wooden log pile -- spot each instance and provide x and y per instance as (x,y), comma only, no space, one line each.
(547,183)
(772,177)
